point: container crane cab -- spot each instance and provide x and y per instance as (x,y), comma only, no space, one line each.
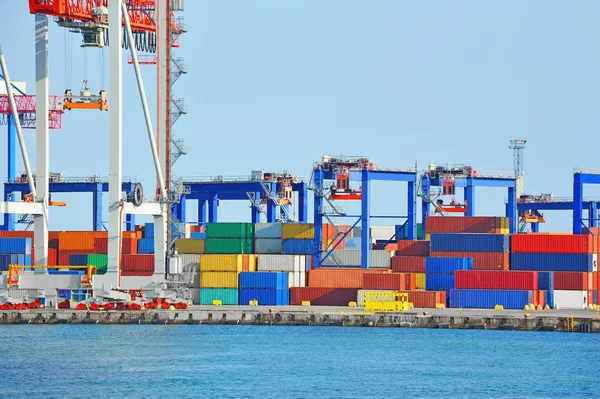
(343,166)
(86,100)
(446,175)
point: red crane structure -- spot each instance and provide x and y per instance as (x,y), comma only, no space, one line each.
(27,111)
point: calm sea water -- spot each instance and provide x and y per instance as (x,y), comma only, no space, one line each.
(293,362)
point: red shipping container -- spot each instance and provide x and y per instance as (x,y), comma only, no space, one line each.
(408,264)
(412,248)
(390,281)
(594,279)
(426,299)
(323,296)
(126,273)
(52,256)
(481,260)
(130,246)
(339,278)
(495,280)
(53,243)
(101,245)
(137,263)
(575,281)
(64,256)
(464,224)
(552,243)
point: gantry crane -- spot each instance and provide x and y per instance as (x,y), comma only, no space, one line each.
(446,175)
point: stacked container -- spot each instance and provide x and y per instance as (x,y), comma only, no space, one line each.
(267,288)
(219,278)
(440,272)
(378,259)
(488,251)
(229,238)
(297,238)
(293,265)
(15,251)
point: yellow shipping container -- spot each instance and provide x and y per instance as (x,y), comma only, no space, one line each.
(420,284)
(299,231)
(190,246)
(505,226)
(223,263)
(252,262)
(218,279)
(428,237)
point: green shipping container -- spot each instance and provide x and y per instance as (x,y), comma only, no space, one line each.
(228,246)
(100,261)
(230,230)
(403,235)
(227,296)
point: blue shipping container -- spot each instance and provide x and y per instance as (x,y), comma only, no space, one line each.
(66,271)
(298,247)
(149,230)
(64,294)
(14,259)
(146,246)
(265,296)
(439,282)
(470,242)
(552,262)
(551,299)
(488,299)
(264,280)
(447,265)
(77,260)
(5,261)
(15,246)
(198,235)
(546,281)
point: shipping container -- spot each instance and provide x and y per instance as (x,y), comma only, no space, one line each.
(14,259)
(352,257)
(390,281)
(553,262)
(227,296)
(230,230)
(264,280)
(197,236)
(79,240)
(570,299)
(496,280)
(268,246)
(488,299)
(64,256)
(447,265)
(413,248)
(100,261)
(439,282)
(296,279)
(298,247)
(402,231)
(572,281)
(420,280)
(149,230)
(481,260)
(218,279)
(190,263)
(298,231)
(189,246)
(101,245)
(546,281)
(281,263)
(137,263)
(274,297)
(228,246)
(221,263)
(337,278)
(78,260)
(470,242)
(322,296)
(249,263)
(419,299)
(128,273)
(553,243)
(267,230)
(129,246)
(15,246)
(146,246)
(409,264)
(467,224)
(52,256)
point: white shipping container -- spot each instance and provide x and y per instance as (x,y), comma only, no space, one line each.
(303,279)
(382,233)
(190,263)
(360,297)
(267,230)
(281,263)
(268,246)
(570,299)
(352,257)
(308,263)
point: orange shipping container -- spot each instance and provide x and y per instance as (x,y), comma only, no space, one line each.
(52,256)
(338,278)
(130,246)
(390,281)
(412,248)
(79,240)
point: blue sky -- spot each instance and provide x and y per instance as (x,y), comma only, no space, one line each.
(274,85)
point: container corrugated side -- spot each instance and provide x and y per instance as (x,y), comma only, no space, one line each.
(79,240)
(218,279)
(552,262)
(221,263)
(299,231)
(553,243)
(390,281)
(15,246)
(268,246)
(267,230)
(137,263)
(190,246)
(146,246)
(470,242)
(273,297)
(447,265)
(298,247)
(481,260)
(100,261)
(413,248)
(149,230)
(496,280)
(352,257)
(227,296)
(128,246)
(420,281)
(408,264)
(572,281)
(488,299)
(322,296)
(546,281)
(190,263)
(570,299)
(466,224)
(264,280)
(439,282)
(228,246)
(337,278)
(281,263)
(360,296)
(230,230)
(78,260)
(249,263)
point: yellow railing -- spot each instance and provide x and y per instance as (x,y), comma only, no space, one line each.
(386,301)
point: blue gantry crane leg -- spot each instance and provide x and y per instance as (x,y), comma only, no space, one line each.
(580,178)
